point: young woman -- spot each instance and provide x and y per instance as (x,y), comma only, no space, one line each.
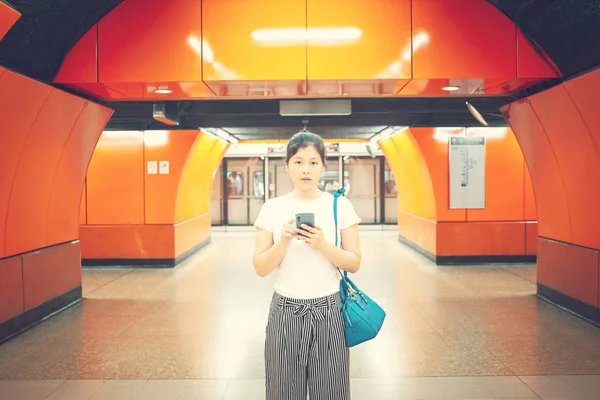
(305,346)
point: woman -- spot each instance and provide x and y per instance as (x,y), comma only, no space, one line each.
(305,347)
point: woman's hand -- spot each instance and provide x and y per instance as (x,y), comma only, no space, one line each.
(288,231)
(313,237)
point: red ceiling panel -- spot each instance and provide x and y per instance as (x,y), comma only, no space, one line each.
(302,48)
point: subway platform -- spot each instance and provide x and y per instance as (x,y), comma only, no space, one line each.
(197,332)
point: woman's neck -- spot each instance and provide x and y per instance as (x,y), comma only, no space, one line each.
(309,195)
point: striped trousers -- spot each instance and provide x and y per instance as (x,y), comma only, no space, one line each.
(305,350)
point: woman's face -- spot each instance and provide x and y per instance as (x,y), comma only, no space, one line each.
(305,168)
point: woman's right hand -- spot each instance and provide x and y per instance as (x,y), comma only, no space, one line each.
(288,231)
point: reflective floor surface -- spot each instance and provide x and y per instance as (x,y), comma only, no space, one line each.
(197,331)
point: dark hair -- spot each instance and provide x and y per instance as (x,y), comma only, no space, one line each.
(302,140)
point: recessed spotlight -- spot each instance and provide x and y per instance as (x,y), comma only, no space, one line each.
(451,88)
(163,91)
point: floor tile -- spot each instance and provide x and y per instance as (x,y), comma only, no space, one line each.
(506,387)
(28,390)
(119,390)
(206,389)
(77,390)
(553,387)
(250,389)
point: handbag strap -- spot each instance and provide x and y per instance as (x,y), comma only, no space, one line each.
(337,194)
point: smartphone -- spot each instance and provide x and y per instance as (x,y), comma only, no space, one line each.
(306,219)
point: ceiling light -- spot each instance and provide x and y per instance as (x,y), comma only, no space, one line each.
(315,36)
(332,34)
(163,91)
(156,138)
(441,134)
(451,88)
(420,39)
(258,89)
(476,114)
(387,132)
(221,134)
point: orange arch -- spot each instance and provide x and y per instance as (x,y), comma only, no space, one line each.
(194,191)
(164,211)
(47,139)
(563,154)
(416,197)
(506,226)
(197,177)
(558,130)
(413,180)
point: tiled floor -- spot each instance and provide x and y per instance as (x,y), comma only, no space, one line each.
(196,332)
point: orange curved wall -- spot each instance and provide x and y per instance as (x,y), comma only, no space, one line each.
(413,180)
(416,196)
(133,214)
(8,17)
(195,188)
(559,132)
(47,137)
(507,226)
(300,48)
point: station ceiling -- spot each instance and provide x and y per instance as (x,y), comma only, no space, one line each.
(567,30)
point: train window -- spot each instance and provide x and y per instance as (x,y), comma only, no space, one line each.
(329,181)
(330,178)
(235,184)
(390,182)
(347,182)
(258,184)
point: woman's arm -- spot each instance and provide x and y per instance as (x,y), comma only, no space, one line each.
(267,255)
(348,257)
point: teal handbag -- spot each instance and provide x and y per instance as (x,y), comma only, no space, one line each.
(363,317)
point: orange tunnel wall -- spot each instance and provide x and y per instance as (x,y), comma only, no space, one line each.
(47,137)
(559,132)
(506,227)
(134,214)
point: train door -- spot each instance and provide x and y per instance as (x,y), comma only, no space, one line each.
(330,178)
(216,198)
(256,188)
(237,191)
(279,180)
(390,194)
(245,190)
(363,187)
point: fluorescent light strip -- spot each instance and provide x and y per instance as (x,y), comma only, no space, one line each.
(301,35)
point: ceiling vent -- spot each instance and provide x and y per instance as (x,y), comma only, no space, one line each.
(166,113)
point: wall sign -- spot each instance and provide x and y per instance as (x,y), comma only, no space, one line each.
(152,167)
(164,167)
(467,172)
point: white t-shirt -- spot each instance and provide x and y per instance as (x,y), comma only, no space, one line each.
(305,273)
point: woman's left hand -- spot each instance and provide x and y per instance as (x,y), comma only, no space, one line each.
(313,237)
